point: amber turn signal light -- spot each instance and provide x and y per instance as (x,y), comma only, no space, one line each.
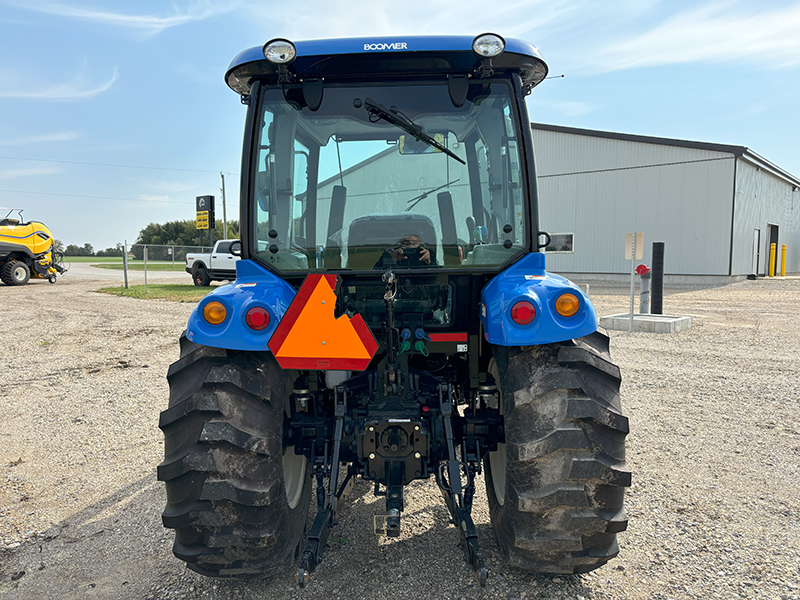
(567,305)
(214,313)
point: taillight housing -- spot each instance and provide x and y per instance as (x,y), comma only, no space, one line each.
(257,318)
(523,312)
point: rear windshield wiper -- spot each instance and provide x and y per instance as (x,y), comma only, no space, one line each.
(417,199)
(398,119)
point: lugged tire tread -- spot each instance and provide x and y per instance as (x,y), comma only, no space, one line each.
(228,490)
(223,464)
(195,403)
(565,444)
(583,356)
(220,431)
(589,408)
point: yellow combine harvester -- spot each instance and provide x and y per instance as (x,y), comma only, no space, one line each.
(26,250)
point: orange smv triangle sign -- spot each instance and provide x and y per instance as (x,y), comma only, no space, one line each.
(310,337)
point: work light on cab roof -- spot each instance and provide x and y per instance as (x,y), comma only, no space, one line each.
(489,45)
(280,51)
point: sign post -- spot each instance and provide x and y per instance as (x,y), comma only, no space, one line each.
(205,214)
(125,262)
(634,250)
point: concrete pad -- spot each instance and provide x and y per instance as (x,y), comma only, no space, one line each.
(646,323)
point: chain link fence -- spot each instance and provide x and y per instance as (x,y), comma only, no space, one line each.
(159,253)
(164,252)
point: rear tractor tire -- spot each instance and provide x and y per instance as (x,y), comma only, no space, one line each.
(556,487)
(15,272)
(237,496)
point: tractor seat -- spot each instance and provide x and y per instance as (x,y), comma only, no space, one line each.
(369,237)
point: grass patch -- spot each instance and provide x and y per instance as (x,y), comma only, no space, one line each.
(139,266)
(173,292)
(93,259)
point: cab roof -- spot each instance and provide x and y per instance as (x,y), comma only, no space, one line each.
(393,56)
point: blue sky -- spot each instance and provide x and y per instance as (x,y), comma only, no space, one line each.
(114,115)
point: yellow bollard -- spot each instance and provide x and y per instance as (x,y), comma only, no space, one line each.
(772,250)
(783,260)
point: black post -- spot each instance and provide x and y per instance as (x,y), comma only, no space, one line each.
(657,299)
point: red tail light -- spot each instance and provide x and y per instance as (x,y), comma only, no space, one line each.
(257,318)
(523,313)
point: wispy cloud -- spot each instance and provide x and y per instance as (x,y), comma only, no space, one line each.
(716,32)
(344,18)
(73,89)
(569,108)
(541,108)
(143,200)
(9,174)
(164,187)
(48,138)
(147,24)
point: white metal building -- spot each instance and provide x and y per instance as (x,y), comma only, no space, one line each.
(717,208)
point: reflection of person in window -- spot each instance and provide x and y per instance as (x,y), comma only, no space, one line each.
(409,253)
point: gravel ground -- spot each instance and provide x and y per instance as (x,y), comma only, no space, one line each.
(714,448)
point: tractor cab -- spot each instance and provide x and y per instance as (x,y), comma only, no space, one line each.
(355,150)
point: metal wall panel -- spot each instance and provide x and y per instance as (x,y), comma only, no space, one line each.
(763,199)
(601,188)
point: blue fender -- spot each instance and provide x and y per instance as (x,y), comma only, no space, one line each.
(525,280)
(528,280)
(254,286)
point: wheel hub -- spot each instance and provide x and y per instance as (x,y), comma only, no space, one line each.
(294,476)
(497,463)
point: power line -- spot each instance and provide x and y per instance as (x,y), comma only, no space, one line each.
(95,197)
(95,164)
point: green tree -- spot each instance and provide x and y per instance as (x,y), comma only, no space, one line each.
(183,233)
(73,250)
(117,251)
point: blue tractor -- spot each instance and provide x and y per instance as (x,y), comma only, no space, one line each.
(391,320)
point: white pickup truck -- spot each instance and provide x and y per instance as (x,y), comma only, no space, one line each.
(219,265)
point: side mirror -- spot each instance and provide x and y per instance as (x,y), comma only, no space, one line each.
(236,248)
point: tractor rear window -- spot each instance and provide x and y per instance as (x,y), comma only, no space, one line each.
(388,176)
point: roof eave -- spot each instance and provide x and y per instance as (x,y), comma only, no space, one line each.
(738,151)
(643,139)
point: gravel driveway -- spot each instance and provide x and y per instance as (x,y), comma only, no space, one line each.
(714,448)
